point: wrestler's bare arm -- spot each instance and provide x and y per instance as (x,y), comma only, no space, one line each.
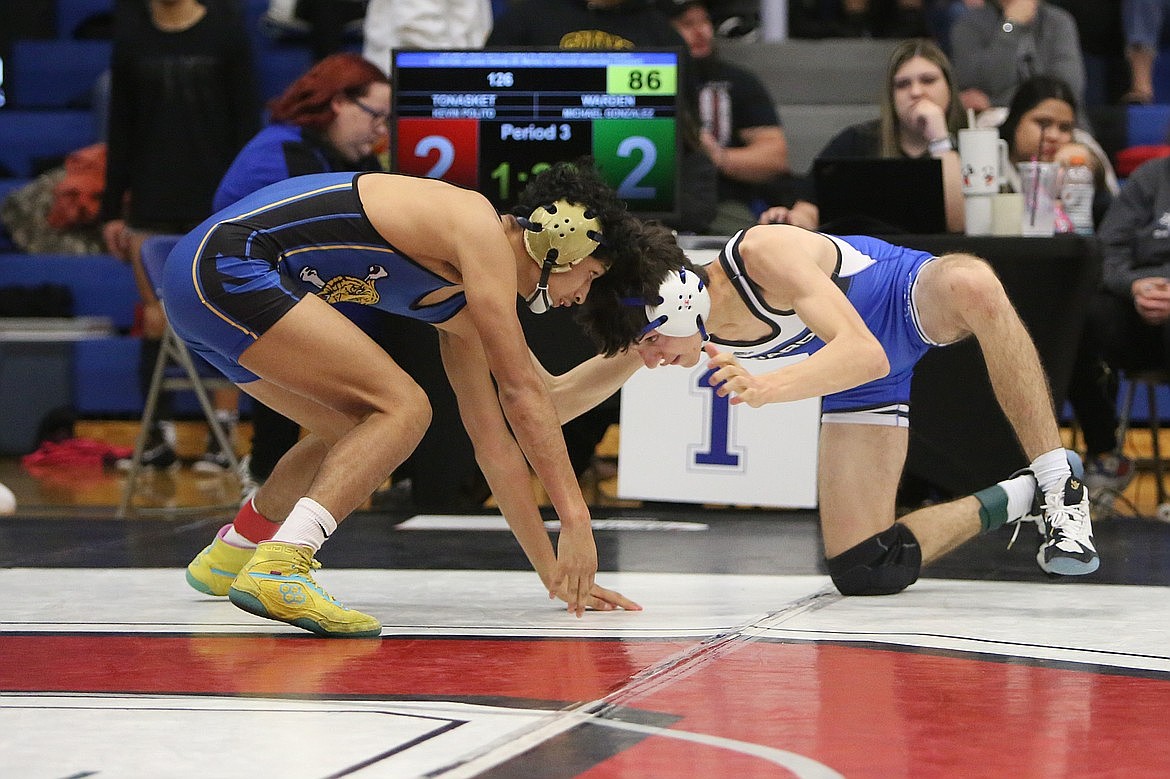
(589,383)
(486,260)
(496,451)
(504,466)
(438,224)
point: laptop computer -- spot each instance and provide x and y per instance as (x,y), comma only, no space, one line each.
(881,195)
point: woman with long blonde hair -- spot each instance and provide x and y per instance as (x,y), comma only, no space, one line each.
(920,116)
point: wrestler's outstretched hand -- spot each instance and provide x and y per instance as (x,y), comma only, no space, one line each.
(601,599)
(572,580)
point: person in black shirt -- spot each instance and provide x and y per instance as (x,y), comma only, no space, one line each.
(920,115)
(583,24)
(183,102)
(741,130)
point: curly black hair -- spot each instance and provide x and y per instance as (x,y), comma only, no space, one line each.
(612,315)
(580,182)
(639,254)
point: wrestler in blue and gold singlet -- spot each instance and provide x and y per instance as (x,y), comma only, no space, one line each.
(233,277)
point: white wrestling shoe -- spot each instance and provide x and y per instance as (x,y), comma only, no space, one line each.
(1067,548)
(1063,520)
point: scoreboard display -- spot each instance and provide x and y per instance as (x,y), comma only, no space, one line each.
(489,120)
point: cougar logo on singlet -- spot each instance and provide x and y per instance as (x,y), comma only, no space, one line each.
(346,289)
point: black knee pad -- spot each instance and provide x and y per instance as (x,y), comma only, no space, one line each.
(882,564)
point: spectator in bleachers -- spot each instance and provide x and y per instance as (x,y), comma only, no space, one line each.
(919,118)
(57,212)
(741,130)
(582,24)
(325,25)
(1102,48)
(332,118)
(182,104)
(860,18)
(1004,42)
(1041,124)
(423,24)
(1143,21)
(1128,323)
(942,15)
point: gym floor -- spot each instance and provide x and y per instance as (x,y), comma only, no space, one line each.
(745,661)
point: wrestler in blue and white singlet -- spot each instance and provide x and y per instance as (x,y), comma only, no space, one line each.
(232,278)
(879,279)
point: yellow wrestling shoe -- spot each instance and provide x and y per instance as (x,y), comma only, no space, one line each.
(277,583)
(213,570)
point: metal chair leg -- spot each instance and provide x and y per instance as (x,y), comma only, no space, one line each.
(148,420)
(173,350)
(183,357)
(1155,443)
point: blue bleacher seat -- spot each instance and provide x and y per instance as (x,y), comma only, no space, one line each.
(104,371)
(27,137)
(101,284)
(71,13)
(105,377)
(55,73)
(279,65)
(1147,125)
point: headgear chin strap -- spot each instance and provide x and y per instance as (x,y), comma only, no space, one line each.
(557,237)
(682,305)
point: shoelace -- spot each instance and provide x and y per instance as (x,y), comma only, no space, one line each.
(1015,533)
(1070,522)
(314,565)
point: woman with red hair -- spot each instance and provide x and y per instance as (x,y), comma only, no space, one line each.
(333,118)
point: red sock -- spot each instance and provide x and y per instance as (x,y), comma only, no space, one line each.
(253,525)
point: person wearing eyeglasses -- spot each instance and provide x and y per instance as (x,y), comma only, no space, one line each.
(332,118)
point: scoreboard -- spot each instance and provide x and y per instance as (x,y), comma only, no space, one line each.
(491,119)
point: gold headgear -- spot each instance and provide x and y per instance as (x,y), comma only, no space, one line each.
(561,234)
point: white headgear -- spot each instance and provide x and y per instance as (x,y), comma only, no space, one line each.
(683,305)
(557,237)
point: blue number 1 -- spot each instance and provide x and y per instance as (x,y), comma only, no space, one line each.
(720,431)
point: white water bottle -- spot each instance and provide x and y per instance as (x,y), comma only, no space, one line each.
(1076,196)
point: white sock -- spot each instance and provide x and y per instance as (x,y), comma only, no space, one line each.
(1052,470)
(235,539)
(1019,495)
(308,524)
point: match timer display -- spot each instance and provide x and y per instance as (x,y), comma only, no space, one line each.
(491,120)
